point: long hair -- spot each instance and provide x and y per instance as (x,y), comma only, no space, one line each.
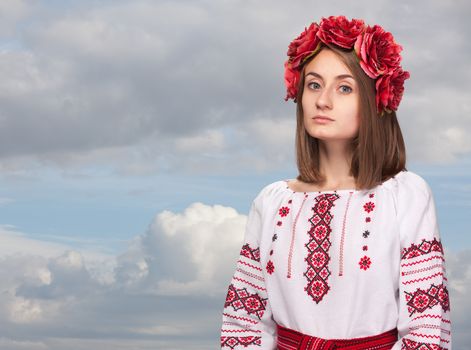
(378,151)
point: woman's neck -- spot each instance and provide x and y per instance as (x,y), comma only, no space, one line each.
(335,163)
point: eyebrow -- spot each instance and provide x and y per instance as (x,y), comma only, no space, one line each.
(338,77)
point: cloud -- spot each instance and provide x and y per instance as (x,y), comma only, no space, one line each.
(120,84)
(15,242)
(5,201)
(459,276)
(11,12)
(181,252)
(180,266)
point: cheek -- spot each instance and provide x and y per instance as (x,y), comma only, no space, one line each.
(355,124)
(304,104)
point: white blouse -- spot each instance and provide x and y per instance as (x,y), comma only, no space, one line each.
(339,265)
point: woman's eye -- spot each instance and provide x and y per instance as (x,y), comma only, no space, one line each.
(313,85)
(346,88)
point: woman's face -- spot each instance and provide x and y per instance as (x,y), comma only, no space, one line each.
(330,91)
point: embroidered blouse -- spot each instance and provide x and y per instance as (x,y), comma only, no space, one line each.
(339,265)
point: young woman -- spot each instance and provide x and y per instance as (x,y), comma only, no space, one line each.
(348,254)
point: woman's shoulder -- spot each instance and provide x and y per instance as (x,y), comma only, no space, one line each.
(273,188)
(410,192)
(270,194)
(409,182)
(405,184)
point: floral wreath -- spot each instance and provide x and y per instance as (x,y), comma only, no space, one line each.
(377,52)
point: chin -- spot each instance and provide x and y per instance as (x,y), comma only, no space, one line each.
(321,135)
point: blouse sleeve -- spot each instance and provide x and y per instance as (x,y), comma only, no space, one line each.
(424,306)
(247,321)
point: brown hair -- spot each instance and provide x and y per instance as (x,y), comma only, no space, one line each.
(378,151)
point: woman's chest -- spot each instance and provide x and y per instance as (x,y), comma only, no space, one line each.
(315,238)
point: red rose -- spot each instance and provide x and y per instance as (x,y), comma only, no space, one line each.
(291,81)
(389,90)
(378,52)
(340,31)
(304,45)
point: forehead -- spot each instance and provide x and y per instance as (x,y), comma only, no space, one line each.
(327,63)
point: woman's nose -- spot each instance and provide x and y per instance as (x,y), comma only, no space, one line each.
(325,99)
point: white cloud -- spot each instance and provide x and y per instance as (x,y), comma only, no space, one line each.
(182,257)
(459,277)
(189,84)
(15,242)
(181,265)
(25,311)
(13,344)
(209,141)
(12,11)
(181,253)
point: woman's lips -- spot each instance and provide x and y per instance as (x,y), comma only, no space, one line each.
(322,119)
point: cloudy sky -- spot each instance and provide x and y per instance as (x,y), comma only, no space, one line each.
(135,134)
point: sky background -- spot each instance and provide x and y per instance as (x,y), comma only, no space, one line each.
(135,134)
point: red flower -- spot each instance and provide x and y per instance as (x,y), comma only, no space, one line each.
(340,31)
(291,81)
(372,195)
(389,90)
(365,247)
(284,211)
(270,267)
(279,223)
(378,52)
(367,219)
(304,45)
(365,263)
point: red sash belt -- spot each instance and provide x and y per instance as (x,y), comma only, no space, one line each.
(289,339)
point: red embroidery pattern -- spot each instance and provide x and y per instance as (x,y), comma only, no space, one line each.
(318,246)
(421,300)
(342,240)
(250,274)
(251,253)
(369,207)
(408,344)
(429,326)
(293,234)
(423,248)
(246,302)
(423,261)
(241,299)
(444,320)
(270,267)
(424,269)
(283,211)
(239,318)
(232,342)
(365,263)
